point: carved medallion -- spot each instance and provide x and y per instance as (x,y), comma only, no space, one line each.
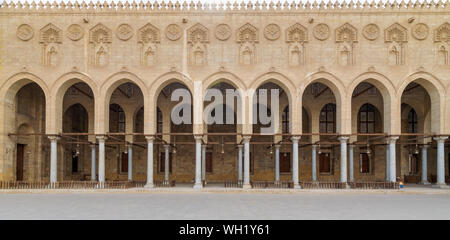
(321,31)
(272,32)
(420,31)
(75,32)
(371,32)
(223,32)
(124,32)
(173,32)
(25,32)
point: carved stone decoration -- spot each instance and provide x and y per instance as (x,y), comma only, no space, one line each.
(100,38)
(25,32)
(442,40)
(247,36)
(442,33)
(420,31)
(50,37)
(148,37)
(223,32)
(296,36)
(321,31)
(197,38)
(173,32)
(396,37)
(272,32)
(124,32)
(75,32)
(371,31)
(346,38)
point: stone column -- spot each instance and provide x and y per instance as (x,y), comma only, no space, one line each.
(277,163)
(93,163)
(424,165)
(295,161)
(53,158)
(240,162)
(351,163)
(314,163)
(392,161)
(198,162)
(246,184)
(440,163)
(203,162)
(149,183)
(343,167)
(166,162)
(130,162)
(387,162)
(101,160)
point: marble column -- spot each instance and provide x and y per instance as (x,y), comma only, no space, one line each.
(246,184)
(314,163)
(198,162)
(392,161)
(203,162)
(166,162)
(101,160)
(351,163)
(440,162)
(277,163)
(53,158)
(295,161)
(387,162)
(130,162)
(424,177)
(93,163)
(240,162)
(149,183)
(343,167)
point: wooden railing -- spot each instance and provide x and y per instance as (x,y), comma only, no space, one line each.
(72,185)
(271,184)
(164,184)
(374,185)
(322,185)
(233,184)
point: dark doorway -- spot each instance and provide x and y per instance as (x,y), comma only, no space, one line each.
(20,156)
(324,163)
(124,162)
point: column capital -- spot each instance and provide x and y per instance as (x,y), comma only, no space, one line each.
(101,138)
(277,146)
(440,138)
(204,146)
(425,146)
(54,137)
(351,145)
(198,138)
(314,146)
(166,146)
(150,139)
(295,138)
(92,145)
(343,138)
(240,146)
(246,138)
(391,139)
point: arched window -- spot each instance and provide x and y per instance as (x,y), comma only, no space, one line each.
(285,120)
(412,121)
(328,118)
(366,118)
(117,118)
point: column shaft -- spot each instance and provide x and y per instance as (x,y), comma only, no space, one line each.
(246,162)
(93,163)
(392,160)
(424,177)
(295,161)
(53,159)
(203,162)
(101,160)
(351,164)
(149,183)
(166,162)
(440,163)
(130,162)
(387,163)
(240,162)
(198,162)
(314,163)
(343,168)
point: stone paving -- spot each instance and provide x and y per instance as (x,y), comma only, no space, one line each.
(410,203)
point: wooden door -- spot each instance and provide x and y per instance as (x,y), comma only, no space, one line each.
(19,158)
(365,162)
(208,162)
(324,163)
(124,162)
(285,162)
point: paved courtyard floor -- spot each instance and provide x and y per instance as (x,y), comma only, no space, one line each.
(226,205)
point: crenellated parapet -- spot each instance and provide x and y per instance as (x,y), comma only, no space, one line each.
(163,6)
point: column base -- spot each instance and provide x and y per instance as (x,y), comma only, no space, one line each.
(297,186)
(425,183)
(149,185)
(246,186)
(100,185)
(198,186)
(440,185)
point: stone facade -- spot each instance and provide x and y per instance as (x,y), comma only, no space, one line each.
(120,63)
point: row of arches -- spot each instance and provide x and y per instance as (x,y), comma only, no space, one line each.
(127,113)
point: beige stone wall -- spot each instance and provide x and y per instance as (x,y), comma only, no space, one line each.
(104,48)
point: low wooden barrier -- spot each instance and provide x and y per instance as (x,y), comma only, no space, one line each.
(164,184)
(374,185)
(271,184)
(72,185)
(233,184)
(323,185)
